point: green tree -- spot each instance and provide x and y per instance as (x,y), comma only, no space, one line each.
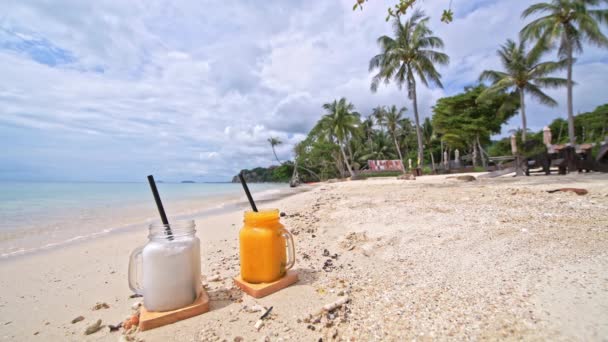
(381,149)
(368,130)
(465,121)
(408,138)
(393,116)
(409,55)
(274,142)
(340,123)
(568,23)
(429,136)
(525,74)
(379,114)
(319,157)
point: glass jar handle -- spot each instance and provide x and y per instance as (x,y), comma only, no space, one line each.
(135,270)
(291,251)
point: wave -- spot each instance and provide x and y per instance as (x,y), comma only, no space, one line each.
(35,237)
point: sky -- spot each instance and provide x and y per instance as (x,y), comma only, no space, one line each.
(115,90)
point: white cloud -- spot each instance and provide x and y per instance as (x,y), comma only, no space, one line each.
(191,89)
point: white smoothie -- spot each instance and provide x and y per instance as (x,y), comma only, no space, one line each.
(171,273)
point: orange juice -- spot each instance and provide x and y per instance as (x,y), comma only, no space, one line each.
(265,246)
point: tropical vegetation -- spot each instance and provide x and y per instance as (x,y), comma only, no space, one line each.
(524,74)
(567,24)
(344,140)
(407,57)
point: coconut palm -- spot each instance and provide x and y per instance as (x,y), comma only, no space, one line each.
(409,56)
(429,136)
(393,116)
(340,123)
(367,127)
(569,22)
(378,113)
(275,142)
(523,74)
(381,149)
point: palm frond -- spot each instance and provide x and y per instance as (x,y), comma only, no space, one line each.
(538,94)
(492,76)
(538,8)
(551,82)
(411,51)
(539,27)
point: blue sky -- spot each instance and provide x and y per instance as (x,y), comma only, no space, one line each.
(115,90)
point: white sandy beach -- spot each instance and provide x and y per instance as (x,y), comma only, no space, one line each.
(430,259)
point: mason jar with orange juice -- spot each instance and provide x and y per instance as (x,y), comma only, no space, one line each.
(266,247)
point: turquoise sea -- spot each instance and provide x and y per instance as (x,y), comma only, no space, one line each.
(37,215)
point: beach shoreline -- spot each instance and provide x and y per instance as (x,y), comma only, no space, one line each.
(433,258)
(25,241)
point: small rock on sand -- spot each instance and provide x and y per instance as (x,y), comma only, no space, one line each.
(77,319)
(466,178)
(93,328)
(100,306)
(214,278)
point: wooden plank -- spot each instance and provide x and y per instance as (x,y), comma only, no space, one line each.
(150,319)
(265,289)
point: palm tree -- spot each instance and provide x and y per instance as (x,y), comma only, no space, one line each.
(368,129)
(429,136)
(381,149)
(379,113)
(393,117)
(569,22)
(407,56)
(340,123)
(274,142)
(407,129)
(523,74)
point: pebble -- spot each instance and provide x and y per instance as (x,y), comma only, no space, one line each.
(254,308)
(100,305)
(93,328)
(77,319)
(216,277)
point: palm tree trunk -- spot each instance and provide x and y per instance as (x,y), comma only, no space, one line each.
(399,152)
(570,105)
(310,171)
(484,161)
(340,165)
(523,115)
(432,160)
(350,170)
(350,152)
(417,119)
(441,142)
(295,179)
(474,154)
(275,155)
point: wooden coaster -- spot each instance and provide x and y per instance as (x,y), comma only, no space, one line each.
(151,319)
(264,289)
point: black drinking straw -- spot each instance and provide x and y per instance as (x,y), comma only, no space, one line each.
(246,188)
(159,205)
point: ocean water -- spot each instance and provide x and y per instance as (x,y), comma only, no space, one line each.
(37,215)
